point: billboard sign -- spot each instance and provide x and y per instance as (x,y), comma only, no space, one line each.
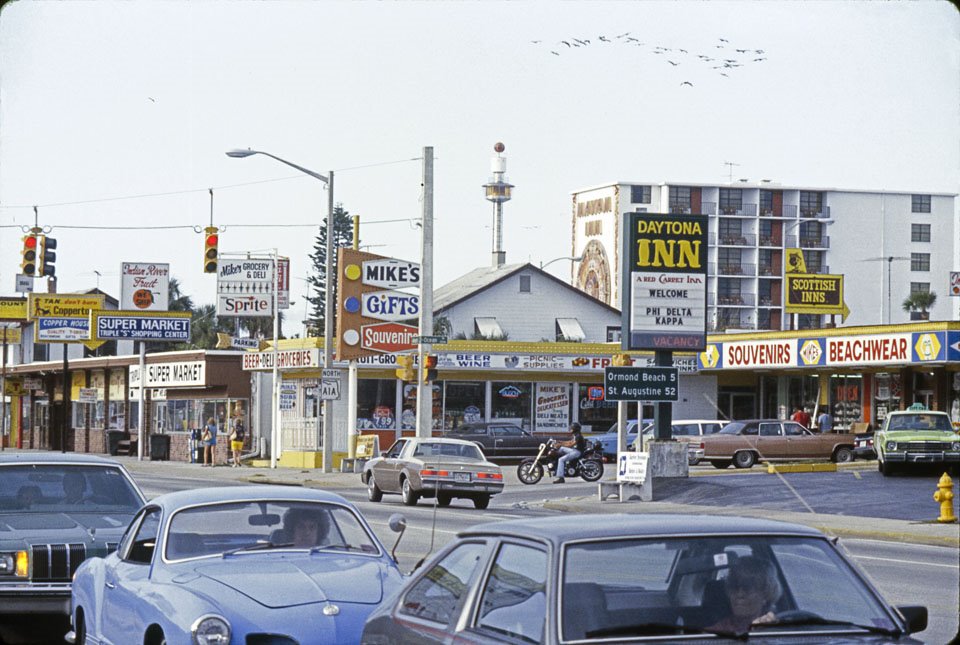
(388,337)
(391,273)
(144,286)
(245,288)
(390,305)
(62,305)
(814,293)
(137,325)
(13,309)
(664,303)
(61,330)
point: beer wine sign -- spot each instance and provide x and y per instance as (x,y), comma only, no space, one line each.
(664,300)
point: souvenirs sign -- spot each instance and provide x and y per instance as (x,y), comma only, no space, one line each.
(664,301)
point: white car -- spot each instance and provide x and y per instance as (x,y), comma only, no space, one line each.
(689,431)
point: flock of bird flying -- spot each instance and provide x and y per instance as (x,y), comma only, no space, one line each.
(722,58)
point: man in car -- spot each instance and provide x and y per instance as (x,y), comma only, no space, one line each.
(569,449)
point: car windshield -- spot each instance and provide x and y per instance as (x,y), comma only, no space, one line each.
(239,527)
(438,449)
(920,422)
(732,428)
(633,587)
(58,488)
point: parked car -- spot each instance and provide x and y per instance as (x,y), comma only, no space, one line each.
(633,578)
(499,439)
(689,431)
(436,467)
(743,443)
(56,510)
(910,437)
(608,440)
(863,446)
(236,564)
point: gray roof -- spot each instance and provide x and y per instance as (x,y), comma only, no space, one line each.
(178,499)
(68,458)
(485,277)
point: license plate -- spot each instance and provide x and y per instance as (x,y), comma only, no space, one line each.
(461,477)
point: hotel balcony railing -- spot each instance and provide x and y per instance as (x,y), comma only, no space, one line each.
(812,213)
(732,268)
(790,211)
(821,242)
(743,210)
(708,208)
(724,325)
(733,239)
(774,241)
(734,299)
(768,271)
(680,209)
(768,301)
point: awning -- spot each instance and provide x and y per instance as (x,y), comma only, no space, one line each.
(570,330)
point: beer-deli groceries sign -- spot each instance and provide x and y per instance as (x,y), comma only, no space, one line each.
(245,288)
(285,359)
(363,305)
(144,286)
(664,301)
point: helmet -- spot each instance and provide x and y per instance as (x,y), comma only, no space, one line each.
(574,427)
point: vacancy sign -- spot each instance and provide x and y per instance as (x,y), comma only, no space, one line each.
(665,269)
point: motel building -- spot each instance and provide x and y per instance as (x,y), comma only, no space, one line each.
(859,374)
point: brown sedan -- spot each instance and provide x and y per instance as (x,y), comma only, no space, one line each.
(743,443)
(441,468)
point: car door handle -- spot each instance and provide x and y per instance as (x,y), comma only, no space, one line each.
(110,585)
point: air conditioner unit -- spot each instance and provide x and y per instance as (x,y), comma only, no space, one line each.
(640,210)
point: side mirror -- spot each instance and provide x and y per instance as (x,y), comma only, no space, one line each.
(397,524)
(916,617)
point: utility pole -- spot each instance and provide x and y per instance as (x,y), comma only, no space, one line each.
(424,389)
(328,307)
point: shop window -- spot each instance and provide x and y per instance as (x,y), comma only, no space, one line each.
(846,404)
(595,413)
(887,391)
(614,334)
(117,415)
(376,404)
(464,402)
(511,402)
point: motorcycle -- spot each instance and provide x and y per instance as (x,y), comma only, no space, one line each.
(589,466)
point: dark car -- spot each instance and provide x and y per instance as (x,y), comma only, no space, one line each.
(744,443)
(625,578)
(863,446)
(500,439)
(56,510)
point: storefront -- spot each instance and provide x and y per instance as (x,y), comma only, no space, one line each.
(857,374)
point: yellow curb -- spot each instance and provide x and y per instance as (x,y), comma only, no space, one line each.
(801,468)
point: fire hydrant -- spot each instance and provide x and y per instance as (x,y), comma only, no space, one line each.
(945,496)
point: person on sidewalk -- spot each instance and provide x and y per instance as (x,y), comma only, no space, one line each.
(569,449)
(237,436)
(825,422)
(210,443)
(802,417)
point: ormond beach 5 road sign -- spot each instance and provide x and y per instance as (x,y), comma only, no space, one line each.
(641,384)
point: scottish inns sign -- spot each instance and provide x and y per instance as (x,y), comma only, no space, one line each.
(665,278)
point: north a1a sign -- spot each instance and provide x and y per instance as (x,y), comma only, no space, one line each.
(665,269)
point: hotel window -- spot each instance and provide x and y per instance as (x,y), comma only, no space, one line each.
(919,287)
(766,202)
(731,230)
(920,204)
(810,202)
(731,200)
(680,199)
(919,232)
(613,334)
(640,194)
(814,261)
(919,261)
(524,284)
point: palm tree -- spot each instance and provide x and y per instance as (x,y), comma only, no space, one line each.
(178,301)
(922,301)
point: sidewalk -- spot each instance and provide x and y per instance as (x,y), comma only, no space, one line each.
(931,532)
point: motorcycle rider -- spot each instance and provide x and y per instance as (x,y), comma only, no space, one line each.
(569,449)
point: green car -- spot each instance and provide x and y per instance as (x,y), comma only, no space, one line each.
(916,437)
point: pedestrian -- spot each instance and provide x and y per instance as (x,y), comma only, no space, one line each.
(237,435)
(825,422)
(570,449)
(210,443)
(800,416)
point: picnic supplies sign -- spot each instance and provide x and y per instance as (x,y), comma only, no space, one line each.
(171,326)
(245,288)
(144,286)
(665,275)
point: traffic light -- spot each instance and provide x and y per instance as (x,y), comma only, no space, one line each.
(46,256)
(621,360)
(405,371)
(28,261)
(429,368)
(211,239)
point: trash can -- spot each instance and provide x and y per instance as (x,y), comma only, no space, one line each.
(114,437)
(159,447)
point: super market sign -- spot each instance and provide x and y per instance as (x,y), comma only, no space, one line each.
(876,349)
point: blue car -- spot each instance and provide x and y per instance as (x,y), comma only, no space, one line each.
(608,440)
(240,564)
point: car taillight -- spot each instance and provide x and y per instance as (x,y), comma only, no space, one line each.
(489,476)
(434,473)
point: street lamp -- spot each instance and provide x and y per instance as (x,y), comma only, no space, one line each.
(575,258)
(327,437)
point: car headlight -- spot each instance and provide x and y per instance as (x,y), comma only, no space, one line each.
(16,563)
(891,445)
(210,630)
(955,445)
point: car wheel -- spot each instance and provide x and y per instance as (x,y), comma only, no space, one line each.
(694,461)
(480,502)
(720,464)
(80,631)
(443,500)
(154,636)
(374,494)
(744,459)
(842,455)
(885,468)
(410,498)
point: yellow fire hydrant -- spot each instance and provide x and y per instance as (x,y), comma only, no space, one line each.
(945,496)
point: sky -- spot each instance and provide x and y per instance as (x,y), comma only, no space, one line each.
(118,114)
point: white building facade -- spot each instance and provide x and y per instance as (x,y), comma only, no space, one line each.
(886,245)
